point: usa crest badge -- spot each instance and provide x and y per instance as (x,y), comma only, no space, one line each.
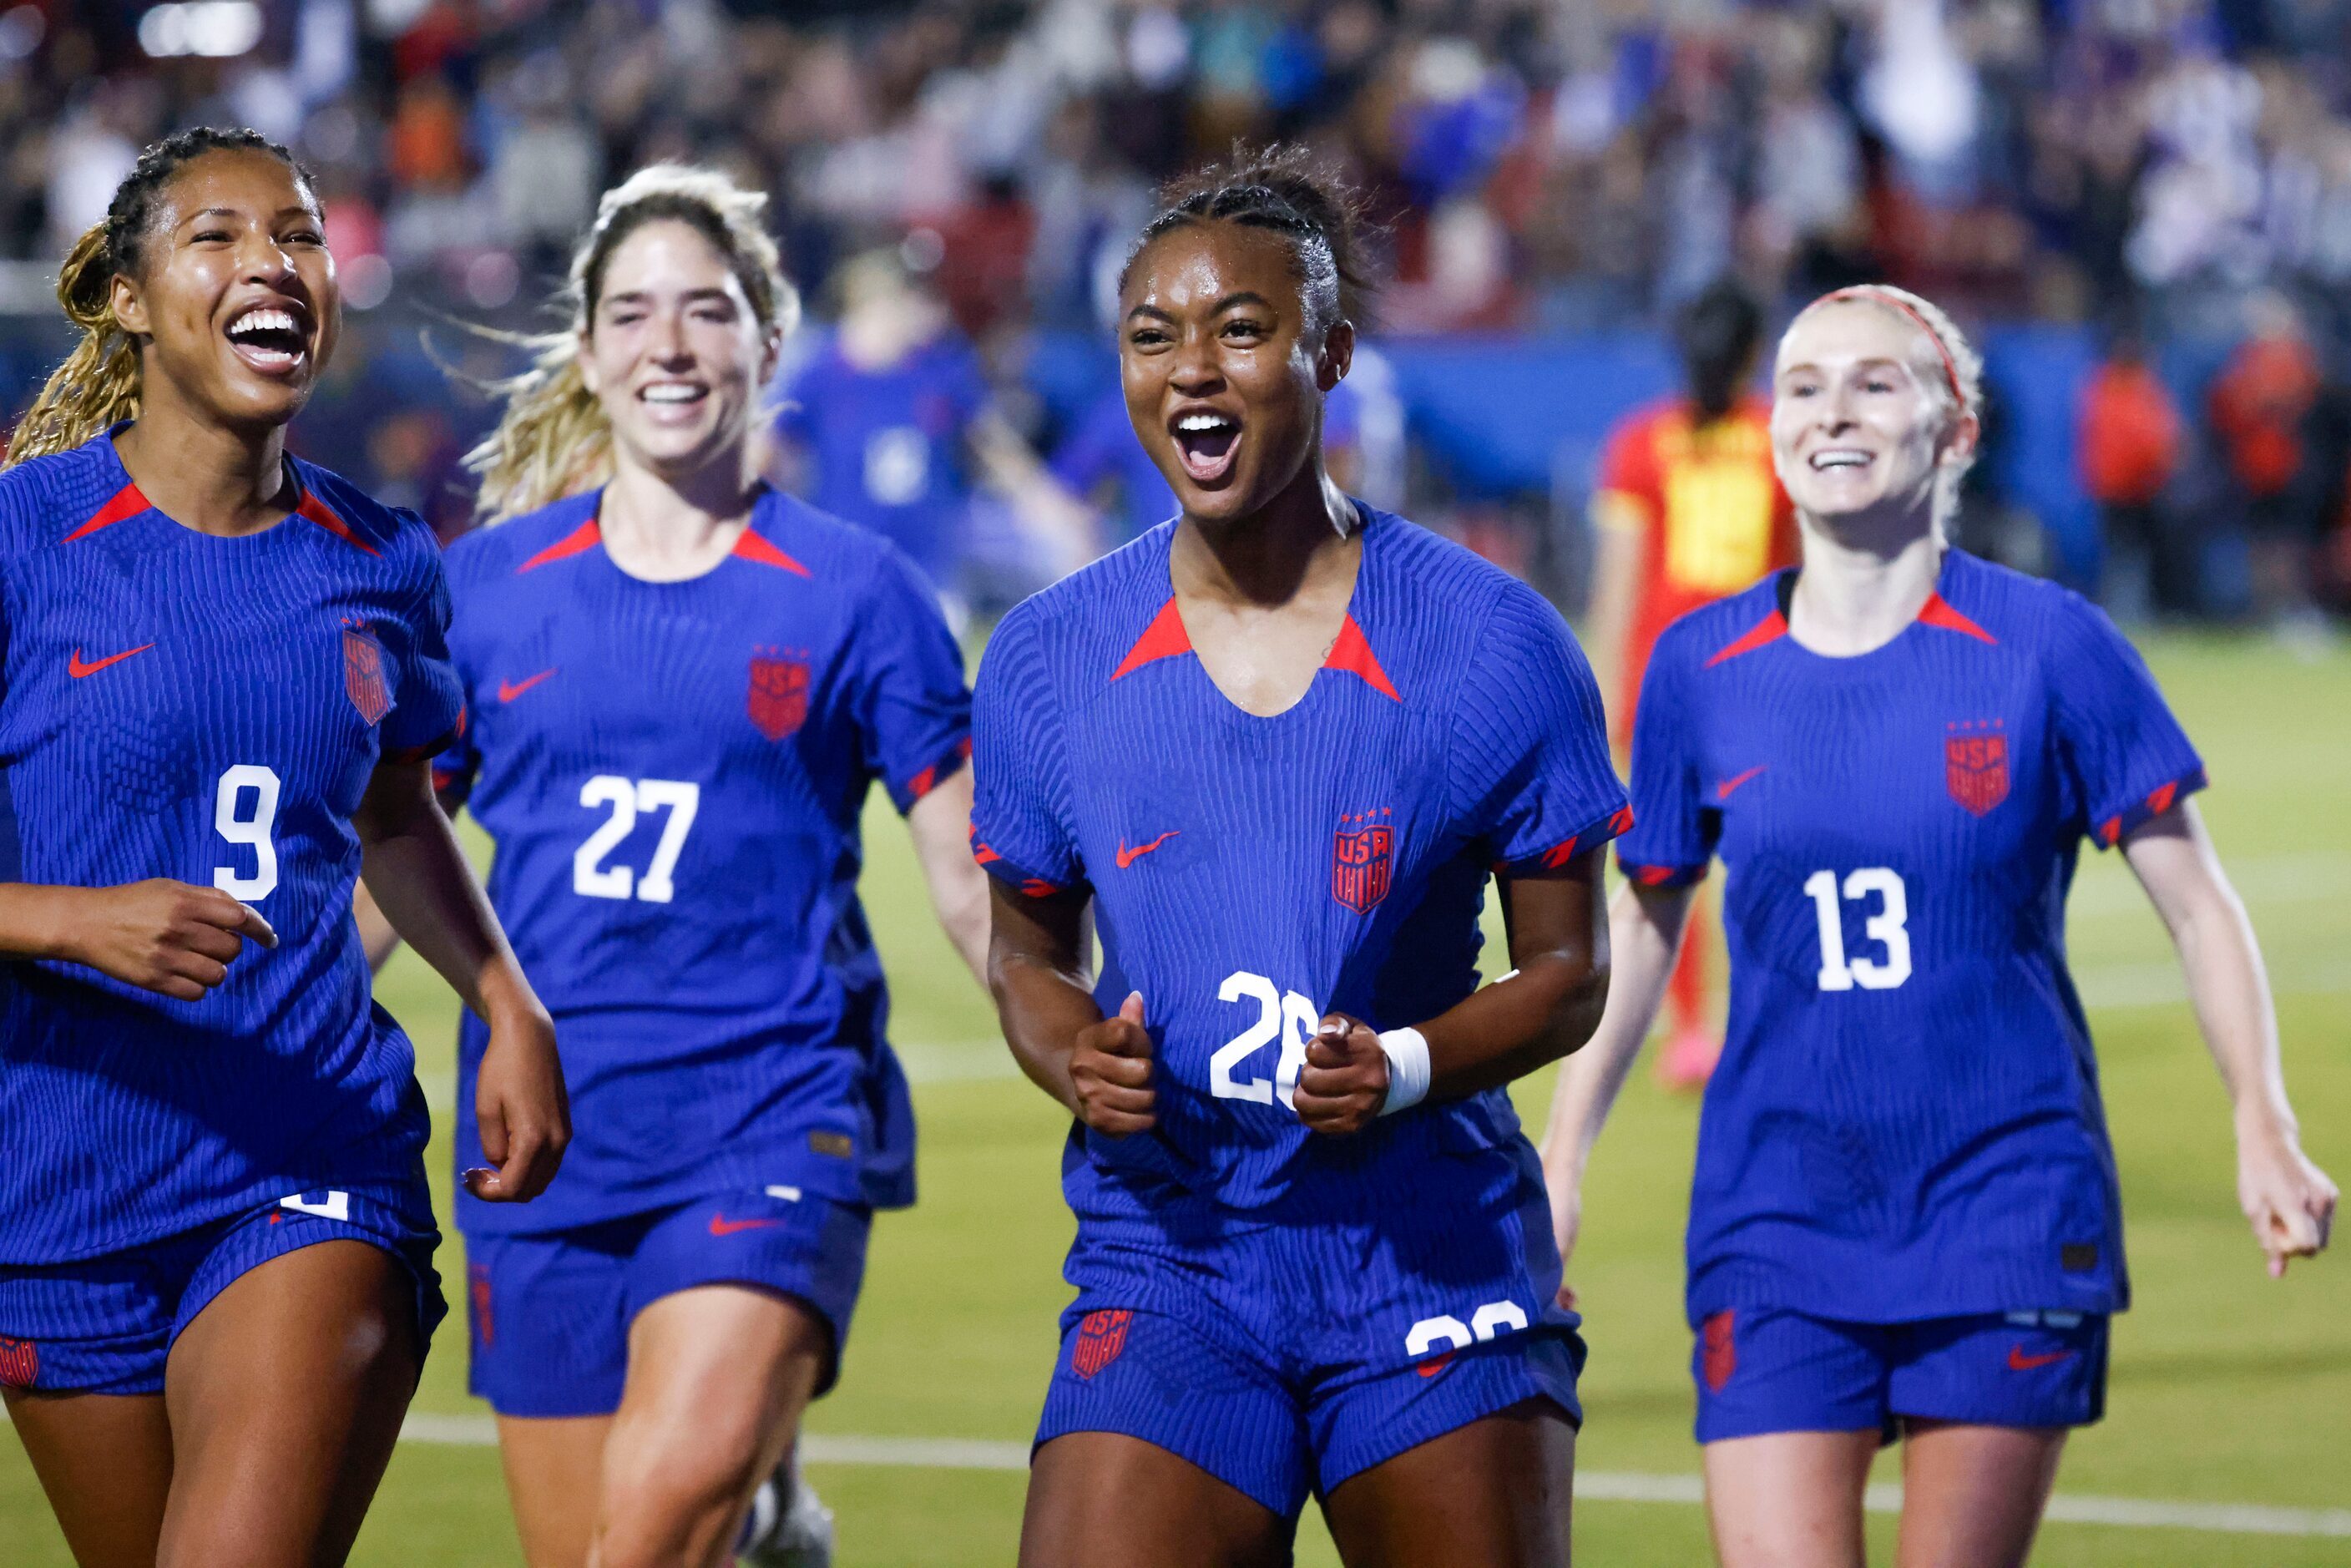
(363,674)
(20,1362)
(779,694)
(1100,1337)
(1361,855)
(1975,764)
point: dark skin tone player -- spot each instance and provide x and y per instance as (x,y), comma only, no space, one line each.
(1263,565)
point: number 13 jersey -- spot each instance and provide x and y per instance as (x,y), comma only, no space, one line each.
(1251,873)
(1906,1121)
(208,709)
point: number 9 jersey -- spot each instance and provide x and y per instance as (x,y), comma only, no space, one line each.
(1906,1122)
(208,709)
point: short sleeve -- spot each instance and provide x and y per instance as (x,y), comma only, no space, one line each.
(459,762)
(1673,830)
(2124,753)
(1020,817)
(1531,771)
(914,710)
(428,699)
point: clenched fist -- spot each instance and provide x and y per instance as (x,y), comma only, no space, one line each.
(1345,1079)
(1109,1069)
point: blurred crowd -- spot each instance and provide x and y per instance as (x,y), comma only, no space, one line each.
(2147,169)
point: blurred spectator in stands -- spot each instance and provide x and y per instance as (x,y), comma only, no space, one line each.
(2128,446)
(2260,402)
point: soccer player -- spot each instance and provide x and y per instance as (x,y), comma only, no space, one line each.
(1278,743)
(683,684)
(1905,1220)
(226,679)
(1686,511)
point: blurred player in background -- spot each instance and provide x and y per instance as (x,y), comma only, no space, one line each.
(1278,745)
(226,678)
(1688,511)
(1905,1219)
(681,684)
(892,418)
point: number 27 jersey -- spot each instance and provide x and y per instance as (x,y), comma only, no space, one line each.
(1251,873)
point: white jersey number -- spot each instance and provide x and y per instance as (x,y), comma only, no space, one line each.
(250,829)
(625,798)
(1885,927)
(1283,1015)
(1445,1332)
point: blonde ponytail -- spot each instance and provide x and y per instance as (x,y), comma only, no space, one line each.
(553,440)
(98,382)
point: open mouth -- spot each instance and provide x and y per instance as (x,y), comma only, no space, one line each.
(270,339)
(672,401)
(1840,459)
(1206,443)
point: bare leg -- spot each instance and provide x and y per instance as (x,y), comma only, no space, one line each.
(1104,1500)
(718,1376)
(552,1477)
(1494,1494)
(105,1461)
(286,1396)
(1789,1500)
(1972,1496)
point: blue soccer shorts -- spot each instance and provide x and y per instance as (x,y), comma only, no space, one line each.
(107,1324)
(1766,1370)
(1285,1359)
(550,1312)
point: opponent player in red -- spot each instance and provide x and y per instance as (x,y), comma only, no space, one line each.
(684,686)
(224,682)
(1688,509)
(1905,1221)
(1280,744)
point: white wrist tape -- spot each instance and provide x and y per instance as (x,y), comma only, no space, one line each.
(1407,1054)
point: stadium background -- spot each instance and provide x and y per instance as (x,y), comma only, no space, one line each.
(2083,182)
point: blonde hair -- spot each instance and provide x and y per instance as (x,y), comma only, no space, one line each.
(98,383)
(553,439)
(1954,376)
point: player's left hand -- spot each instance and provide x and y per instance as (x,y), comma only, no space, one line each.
(520,1106)
(2289,1201)
(1345,1079)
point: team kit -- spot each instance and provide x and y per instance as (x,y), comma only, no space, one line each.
(1215,831)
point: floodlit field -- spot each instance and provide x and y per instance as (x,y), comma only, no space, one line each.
(2228,1388)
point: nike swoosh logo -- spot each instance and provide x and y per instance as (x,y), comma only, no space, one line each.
(509,690)
(1722,790)
(76,669)
(1127,857)
(2020,1362)
(721,1225)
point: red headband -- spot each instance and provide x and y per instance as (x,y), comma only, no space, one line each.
(1871,291)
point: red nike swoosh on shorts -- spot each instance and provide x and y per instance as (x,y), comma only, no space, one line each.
(1127,857)
(509,690)
(721,1225)
(76,669)
(2020,1362)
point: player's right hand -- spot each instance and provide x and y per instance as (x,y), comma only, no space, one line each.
(1109,1070)
(1566,1218)
(171,937)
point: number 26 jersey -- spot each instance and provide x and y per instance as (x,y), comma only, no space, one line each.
(1251,873)
(1905,1122)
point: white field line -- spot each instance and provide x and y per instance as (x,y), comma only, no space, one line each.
(1593,1486)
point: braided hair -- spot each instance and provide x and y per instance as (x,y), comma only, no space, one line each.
(99,384)
(1280,189)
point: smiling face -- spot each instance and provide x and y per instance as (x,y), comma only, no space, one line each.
(1223,369)
(1861,428)
(233,291)
(674,352)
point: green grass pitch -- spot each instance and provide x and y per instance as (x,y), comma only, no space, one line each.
(2226,1388)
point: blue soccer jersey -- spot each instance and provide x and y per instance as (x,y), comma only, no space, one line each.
(1906,1121)
(1252,873)
(673,774)
(210,709)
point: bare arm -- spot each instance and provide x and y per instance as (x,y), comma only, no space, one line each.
(940,825)
(1616,586)
(1099,1068)
(171,937)
(426,891)
(1644,931)
(2289,1201)
(1546,1009)
(377,940)
(1063,523)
